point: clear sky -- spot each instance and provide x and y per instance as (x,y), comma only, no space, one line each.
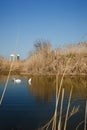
(22,22)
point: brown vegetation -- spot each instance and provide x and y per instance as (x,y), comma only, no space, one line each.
(4,65)
(44,60)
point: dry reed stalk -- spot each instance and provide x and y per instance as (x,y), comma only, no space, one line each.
(6,83)
(55,113)
(61,82)
(66,118)
(57,98)
(85,116)
(61,108)
(58,94)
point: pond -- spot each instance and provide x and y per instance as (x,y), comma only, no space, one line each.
(29,107)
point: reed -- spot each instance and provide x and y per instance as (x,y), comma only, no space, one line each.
(58,91)
(67,112)
(55,113)
(61,108)
(6,83)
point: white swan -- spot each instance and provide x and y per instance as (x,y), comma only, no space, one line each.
(17,80)
(29,81)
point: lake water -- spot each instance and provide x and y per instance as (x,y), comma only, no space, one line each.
(29,107)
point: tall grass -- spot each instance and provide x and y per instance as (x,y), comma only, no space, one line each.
(45,60)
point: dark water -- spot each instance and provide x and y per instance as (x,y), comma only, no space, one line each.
(28,107)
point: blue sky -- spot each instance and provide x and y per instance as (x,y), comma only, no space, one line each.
(22,22)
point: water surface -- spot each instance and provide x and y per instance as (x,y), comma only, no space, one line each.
(28,107)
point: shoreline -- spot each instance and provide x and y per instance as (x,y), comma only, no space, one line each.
(45,61)
(39,74)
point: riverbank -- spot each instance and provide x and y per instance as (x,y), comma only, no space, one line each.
(45,61)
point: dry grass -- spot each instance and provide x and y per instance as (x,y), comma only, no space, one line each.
(45,60)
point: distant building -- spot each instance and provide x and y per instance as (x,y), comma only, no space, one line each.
(14,57)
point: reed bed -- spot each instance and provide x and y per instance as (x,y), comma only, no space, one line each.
(45,60)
